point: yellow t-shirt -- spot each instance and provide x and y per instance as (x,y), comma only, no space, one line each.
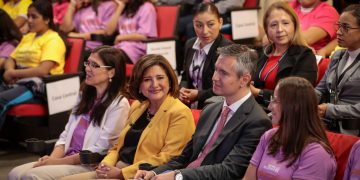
(18,9)
(33,50)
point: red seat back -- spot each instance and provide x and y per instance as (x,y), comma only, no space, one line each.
(166,21)
(341,145)
(196,114)
(75,56)
(250,4)
(322,66)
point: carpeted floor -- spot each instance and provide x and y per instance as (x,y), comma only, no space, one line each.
(12,155)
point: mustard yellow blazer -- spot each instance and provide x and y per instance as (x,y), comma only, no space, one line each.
(164,137)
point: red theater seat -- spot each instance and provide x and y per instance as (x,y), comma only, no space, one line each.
(196,114)
(166,22)
(322,66)
(341,145)
(32,113)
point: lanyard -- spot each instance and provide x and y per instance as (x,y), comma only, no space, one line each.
(272,68)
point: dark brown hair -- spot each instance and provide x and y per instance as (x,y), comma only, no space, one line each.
(8,30)
(300,123)
(132,7)
(206,7)
(354,10)
(110,57)
(140,68)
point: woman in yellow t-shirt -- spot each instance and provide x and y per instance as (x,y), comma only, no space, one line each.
(39,53)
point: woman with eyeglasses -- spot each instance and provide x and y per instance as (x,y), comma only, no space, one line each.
(286,55)
(339,88)
(298,148)
(94,124)
(158,127)
(200,56)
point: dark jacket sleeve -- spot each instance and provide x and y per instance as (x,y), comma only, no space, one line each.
(178,162)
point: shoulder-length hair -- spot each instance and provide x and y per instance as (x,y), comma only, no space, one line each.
(297,39)
(140,68)
(300,123)
(132,7)
(8,30)
(117,87)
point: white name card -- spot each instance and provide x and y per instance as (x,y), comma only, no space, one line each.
(62,94)
(164,48)
(244,24)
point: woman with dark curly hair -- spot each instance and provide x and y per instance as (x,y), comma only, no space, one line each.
(135,21)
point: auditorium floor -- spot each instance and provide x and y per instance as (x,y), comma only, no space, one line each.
(12,155)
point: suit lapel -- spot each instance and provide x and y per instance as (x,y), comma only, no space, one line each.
(206,129)
(238,118)
(210,57)
(349,72)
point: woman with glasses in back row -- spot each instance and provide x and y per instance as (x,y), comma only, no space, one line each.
(95,122)
(339,88)
(200,56)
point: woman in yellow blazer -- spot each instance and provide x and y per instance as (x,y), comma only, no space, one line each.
(158,127)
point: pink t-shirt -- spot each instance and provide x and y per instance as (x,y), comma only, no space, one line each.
(323,16)
(314,163)
(6,48)
(143,22)
(352,170)
(86,20)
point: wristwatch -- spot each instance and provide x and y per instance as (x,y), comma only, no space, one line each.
(261,93)
(178,175)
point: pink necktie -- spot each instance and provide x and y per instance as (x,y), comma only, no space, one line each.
(206,149)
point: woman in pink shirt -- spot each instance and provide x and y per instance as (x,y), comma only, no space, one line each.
(317,19)
(135,21)
(298,148)
(86,17)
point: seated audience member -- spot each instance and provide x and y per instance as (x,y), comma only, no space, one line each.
(18,10)
(59,8)
(200,56)
(317,19)
(352,170)
(135,22)
(298,148)
(10,37)
(159,125)
(40,52)
(339,88)
(87,17)
(93,125)
(286,55)
(227,132)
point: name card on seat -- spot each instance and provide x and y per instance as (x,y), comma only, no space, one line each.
(164,48)
(244,24)
(62,95)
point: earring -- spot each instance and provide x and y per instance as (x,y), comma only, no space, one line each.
(110,80)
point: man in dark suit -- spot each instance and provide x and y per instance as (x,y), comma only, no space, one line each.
(228,132)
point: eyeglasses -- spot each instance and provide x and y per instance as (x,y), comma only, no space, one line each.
(93,65)
(273,100)
(344,27)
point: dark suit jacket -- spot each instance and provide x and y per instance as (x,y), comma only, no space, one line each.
(230,155)
(208,69)
(298,61)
